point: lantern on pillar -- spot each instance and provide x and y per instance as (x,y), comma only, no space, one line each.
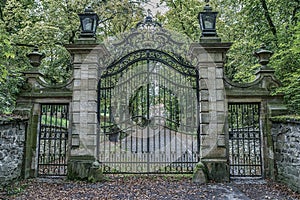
(207,21)
(89,22)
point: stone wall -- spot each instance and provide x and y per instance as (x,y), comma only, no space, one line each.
(286,136)
(12,144)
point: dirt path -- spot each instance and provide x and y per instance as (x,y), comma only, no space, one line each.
(146,187)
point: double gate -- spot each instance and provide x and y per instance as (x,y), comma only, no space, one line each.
(53,140)
(149,114)
(245,150)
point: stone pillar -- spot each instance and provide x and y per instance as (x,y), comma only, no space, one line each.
(210,57)
(27,106)
(87,58)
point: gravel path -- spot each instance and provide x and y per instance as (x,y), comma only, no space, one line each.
(146,187)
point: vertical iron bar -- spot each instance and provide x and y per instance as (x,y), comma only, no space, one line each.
(54,140)
(259,138)
(148,100)
(60,138)
(66,134)
(243,138)
(238,137)
(249,137)
(255,137)
(148,110)
(39,140)
(198,114)
(50,135)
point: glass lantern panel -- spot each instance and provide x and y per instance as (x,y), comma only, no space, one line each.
(209,22)
(87,24)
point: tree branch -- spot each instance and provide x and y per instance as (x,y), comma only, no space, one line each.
(295,11)
(2,6)
(180,18)
(1,14)
(268,17)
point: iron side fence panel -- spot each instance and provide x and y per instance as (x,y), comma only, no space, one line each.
(53,140)
(245,152)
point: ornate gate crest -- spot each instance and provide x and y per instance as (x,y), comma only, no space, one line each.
(149,35)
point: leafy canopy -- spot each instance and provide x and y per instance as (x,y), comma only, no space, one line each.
(248,24)
(51,24)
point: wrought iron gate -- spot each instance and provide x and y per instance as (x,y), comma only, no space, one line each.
(53,140)
(149,114)
(245,152)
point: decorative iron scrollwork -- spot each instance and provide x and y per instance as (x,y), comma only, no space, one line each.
(149,34)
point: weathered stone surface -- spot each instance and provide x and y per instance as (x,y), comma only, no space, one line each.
(217,169)
(12,144)
(286,137)
(84,168)
(200,174)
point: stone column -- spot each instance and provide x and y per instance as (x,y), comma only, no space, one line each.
(87,57)
(210,55)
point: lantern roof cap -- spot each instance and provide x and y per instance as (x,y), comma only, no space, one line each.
(89,9)
(207,7)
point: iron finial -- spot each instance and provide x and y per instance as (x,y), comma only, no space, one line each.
(149,16)
(149,13)
(88,9)
(148,22)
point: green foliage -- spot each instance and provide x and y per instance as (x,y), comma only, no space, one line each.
(273,22)
(10,79)
(182,17)
(14,188)
(247,24)
(161,103)
(286,118)
(53,121)
(118,16)
(51,24)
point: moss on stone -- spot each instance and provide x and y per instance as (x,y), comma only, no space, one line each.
(200,175)
(286,118)
(217,171)
(84,168)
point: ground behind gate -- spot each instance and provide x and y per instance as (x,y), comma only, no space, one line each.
(147,187)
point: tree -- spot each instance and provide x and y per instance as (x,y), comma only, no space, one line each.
(11,63)
(182,17)
(51,24)
(247,24)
